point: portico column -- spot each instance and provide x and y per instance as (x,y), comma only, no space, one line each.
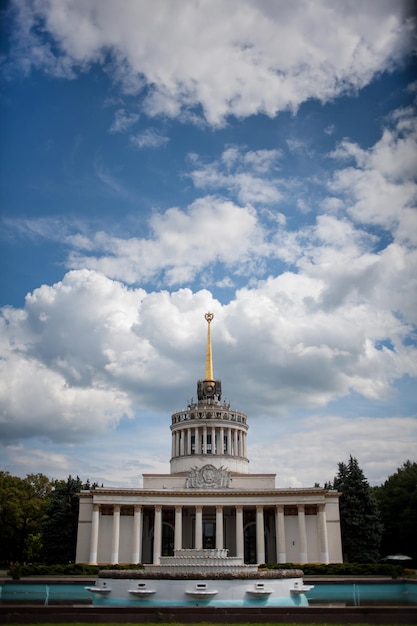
(219,527)
(229,441)
(178,528)
(245,449)
(302,533)
(196,441)
(240,551)
(157,535)
(235,451)
(137,534)
(204,439)
(189,441)
(213,440)
(324,544)
(198,527)
(260,535)
(177,443)
(94,534)
(115,535)
(280,534)
(221,440)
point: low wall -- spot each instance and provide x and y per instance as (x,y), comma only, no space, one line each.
(18,614)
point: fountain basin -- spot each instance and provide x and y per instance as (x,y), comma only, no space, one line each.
(133,588)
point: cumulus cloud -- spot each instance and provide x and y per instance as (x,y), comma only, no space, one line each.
(297,453)
(236,58)
(87,351)
(180,245)
(247,175)
(380,187)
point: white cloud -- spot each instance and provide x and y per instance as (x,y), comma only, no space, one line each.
(88,350)
(244,174)
(149,138)
(240,57)
(181,244)
(381,445)
(123,121)
(380,188)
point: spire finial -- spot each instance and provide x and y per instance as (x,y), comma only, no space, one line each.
(209,359)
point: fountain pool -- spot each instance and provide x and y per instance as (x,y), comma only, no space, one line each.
(397,593)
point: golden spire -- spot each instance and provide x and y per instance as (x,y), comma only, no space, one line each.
(209,359)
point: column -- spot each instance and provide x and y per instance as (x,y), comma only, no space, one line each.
(198,527)
(94,534)
(178,528)
(240,551)
(302,533)
(219,527)
(235,449)
(280,534)
(157,535)
(324,544)
(260,535)
(229,441)
(221,440)
(115,535)
(213,440)
(189,441)
(137,534)
(197,449)
(204,439)
(245,445)
(173,445)
(177,443)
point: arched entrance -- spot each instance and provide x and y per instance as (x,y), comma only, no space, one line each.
(167,548)
(250,543)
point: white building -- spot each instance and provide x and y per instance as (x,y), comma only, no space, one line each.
(209,500)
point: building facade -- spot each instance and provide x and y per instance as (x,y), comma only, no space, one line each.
(209,499)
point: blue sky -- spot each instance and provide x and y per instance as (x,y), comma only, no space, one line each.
(255,159)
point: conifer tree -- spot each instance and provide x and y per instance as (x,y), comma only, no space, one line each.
(359,515)
(397,500)
(61,521)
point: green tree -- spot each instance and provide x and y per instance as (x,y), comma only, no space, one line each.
(61,521)
(22,506)
(360,523)
(10,513)
(397,500)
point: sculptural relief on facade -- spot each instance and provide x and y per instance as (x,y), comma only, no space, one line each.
(208,477)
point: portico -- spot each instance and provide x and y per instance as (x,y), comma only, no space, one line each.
(268,532)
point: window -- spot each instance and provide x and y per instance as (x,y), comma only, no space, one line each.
(209,535)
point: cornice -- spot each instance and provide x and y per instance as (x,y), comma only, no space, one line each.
(215,493)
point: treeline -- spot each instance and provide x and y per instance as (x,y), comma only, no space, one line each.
(377,521)
(39,516)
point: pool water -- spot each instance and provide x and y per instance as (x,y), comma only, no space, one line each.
(349,594)
(39,593)
(364,594)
